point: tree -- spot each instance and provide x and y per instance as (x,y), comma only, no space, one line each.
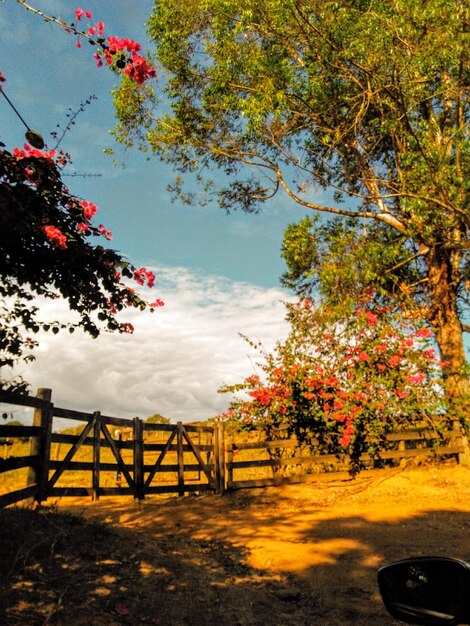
(366,99)
(342,381)
(157,419)
(47,236)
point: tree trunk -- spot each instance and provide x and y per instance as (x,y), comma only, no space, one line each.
(445,321)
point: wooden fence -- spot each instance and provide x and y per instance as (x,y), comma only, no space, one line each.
(121,456)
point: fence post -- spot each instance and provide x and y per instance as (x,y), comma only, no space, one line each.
(458,438)
(96,454)
(40,446)
(139,458)
(219,457)
(180,453)
(230,451)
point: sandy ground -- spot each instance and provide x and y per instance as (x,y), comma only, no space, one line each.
(289,556)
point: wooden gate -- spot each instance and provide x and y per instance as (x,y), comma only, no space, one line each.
(112,456)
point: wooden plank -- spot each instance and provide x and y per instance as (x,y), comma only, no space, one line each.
(45,443)
(220,486)
(139,459)
(96,455)
(19,431)
(68,457)
(117,421)
(16,496)
(179,439)
(163,428)
(16,462)
(19,400)
(70,414)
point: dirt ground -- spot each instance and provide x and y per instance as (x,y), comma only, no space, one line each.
(289,556)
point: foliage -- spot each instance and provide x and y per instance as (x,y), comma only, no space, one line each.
(157,419)
(48,249)
(341,259)
(341,382)
(368,100)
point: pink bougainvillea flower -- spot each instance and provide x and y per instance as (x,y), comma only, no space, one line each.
(89,209)
(415,379)
(144,275)
(56,236)
(157,303)
(79,13)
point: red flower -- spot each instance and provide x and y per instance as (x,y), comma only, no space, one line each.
(79,13)
(56,236)
(395,360)
(157,303)
(424,332)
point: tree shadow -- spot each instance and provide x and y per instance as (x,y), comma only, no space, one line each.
(200,561)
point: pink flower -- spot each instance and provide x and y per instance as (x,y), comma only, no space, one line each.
(89,209)
(56,236)
(88,15)
(144,275)
(107,234)
(92,30)
(157,303)
(100,28)
(78,44)
(415,379)
(79,13)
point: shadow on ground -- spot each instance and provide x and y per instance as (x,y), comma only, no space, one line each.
(239,560)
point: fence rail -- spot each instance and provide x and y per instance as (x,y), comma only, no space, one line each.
(122,456)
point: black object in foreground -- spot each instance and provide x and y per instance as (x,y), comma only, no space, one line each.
(427,590)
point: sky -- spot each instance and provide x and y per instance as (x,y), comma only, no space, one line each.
(218,274)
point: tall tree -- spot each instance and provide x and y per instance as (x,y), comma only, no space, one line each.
(368,99)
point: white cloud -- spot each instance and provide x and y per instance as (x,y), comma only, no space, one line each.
(177,358)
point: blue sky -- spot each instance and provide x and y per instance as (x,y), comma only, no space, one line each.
(218,274)
(47,74)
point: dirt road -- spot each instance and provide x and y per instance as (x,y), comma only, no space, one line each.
(288,556)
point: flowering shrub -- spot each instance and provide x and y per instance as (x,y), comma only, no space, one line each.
(48,247)
(341,382)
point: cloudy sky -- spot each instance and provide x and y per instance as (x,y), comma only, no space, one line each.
(218,274)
